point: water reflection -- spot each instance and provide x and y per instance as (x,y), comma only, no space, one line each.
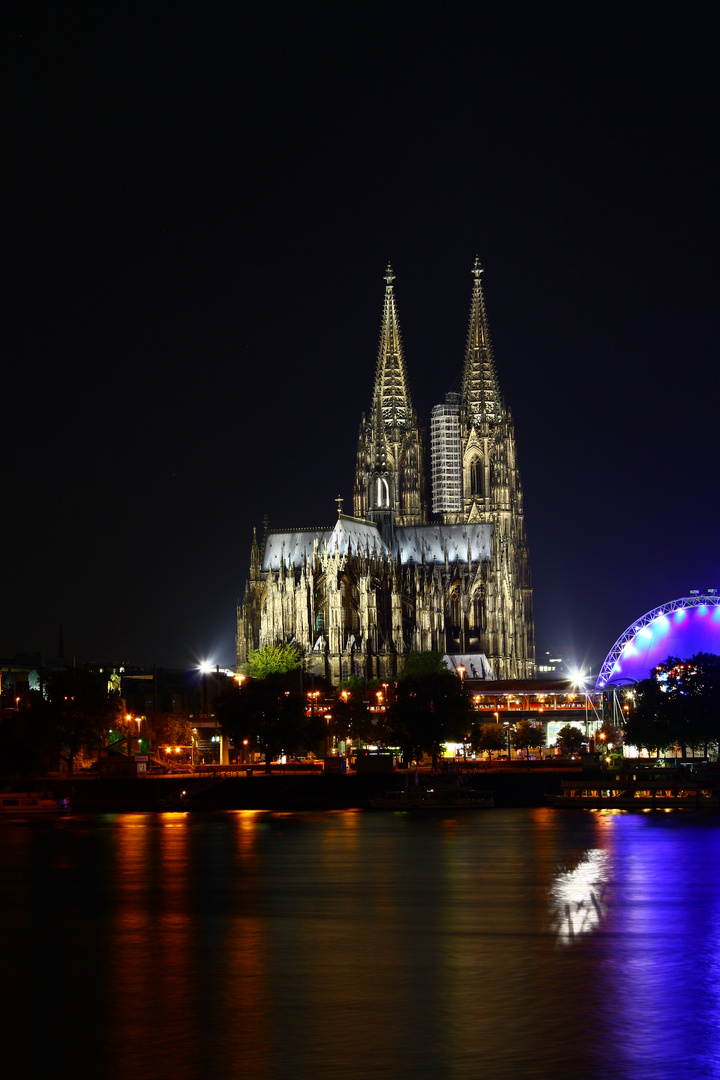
(311,945)
(577,897)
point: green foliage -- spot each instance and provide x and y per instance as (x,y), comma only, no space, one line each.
(272,660)
(486,738)
(609,740)
(421,664)
(359,688)
(428,707)
(570,739)
(527,735)
(178,731)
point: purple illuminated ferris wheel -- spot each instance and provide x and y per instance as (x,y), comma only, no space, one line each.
(681,628)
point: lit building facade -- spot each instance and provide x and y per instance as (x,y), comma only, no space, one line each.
(357,596)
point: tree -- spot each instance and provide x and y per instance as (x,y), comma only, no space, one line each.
(528,735)
(421,664)
(488,737)
(678,704)
(78,711)
(696,687)
(272,660)
(570,739)
(351,719)
(429,707)
(270,714)
(649,725)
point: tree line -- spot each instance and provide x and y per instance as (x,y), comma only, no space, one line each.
(677,705)
(271,712)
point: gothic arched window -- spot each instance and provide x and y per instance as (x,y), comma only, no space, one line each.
(383,492)
(478,621)
(476,477)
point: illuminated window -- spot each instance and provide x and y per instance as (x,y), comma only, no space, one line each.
(383,492)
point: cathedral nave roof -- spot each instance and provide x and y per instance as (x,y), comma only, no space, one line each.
(409,542)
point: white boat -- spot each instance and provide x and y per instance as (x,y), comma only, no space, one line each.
(644,794)
(422,799)
(15,803)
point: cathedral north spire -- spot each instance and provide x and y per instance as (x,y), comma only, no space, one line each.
(391,381)
(391,440)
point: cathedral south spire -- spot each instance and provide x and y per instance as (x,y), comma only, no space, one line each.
(481,401)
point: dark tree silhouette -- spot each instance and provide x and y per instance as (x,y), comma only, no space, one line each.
(428,707)
(78,712)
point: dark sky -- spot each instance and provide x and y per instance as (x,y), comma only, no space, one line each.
(202,201)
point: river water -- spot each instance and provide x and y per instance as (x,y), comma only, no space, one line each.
(504,943)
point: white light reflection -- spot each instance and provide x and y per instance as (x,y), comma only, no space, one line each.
(577,897)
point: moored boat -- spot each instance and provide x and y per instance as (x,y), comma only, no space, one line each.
(423,799)
(643,794)
(20,803)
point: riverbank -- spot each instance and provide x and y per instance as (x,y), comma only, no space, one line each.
(326,791)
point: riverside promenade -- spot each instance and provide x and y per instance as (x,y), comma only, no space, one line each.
(511,786)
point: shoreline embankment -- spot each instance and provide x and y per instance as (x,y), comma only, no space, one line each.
(325,791)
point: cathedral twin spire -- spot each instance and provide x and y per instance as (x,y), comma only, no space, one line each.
(392,440)
(480,390)
(481,399)
(392,394)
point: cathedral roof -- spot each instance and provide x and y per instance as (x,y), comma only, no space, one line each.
(475,665)
(291,545)
(409,540)
(352,533)
(355,535)
(349,534)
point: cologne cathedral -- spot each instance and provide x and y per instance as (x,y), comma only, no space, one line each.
(401,573)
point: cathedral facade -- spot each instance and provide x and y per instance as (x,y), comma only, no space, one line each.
(434,560)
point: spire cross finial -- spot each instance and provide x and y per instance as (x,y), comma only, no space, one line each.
(477,269)
(339,501)
(389,276)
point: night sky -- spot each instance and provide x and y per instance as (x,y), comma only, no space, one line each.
(202,202)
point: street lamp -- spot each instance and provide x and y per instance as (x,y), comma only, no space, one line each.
(461,672)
